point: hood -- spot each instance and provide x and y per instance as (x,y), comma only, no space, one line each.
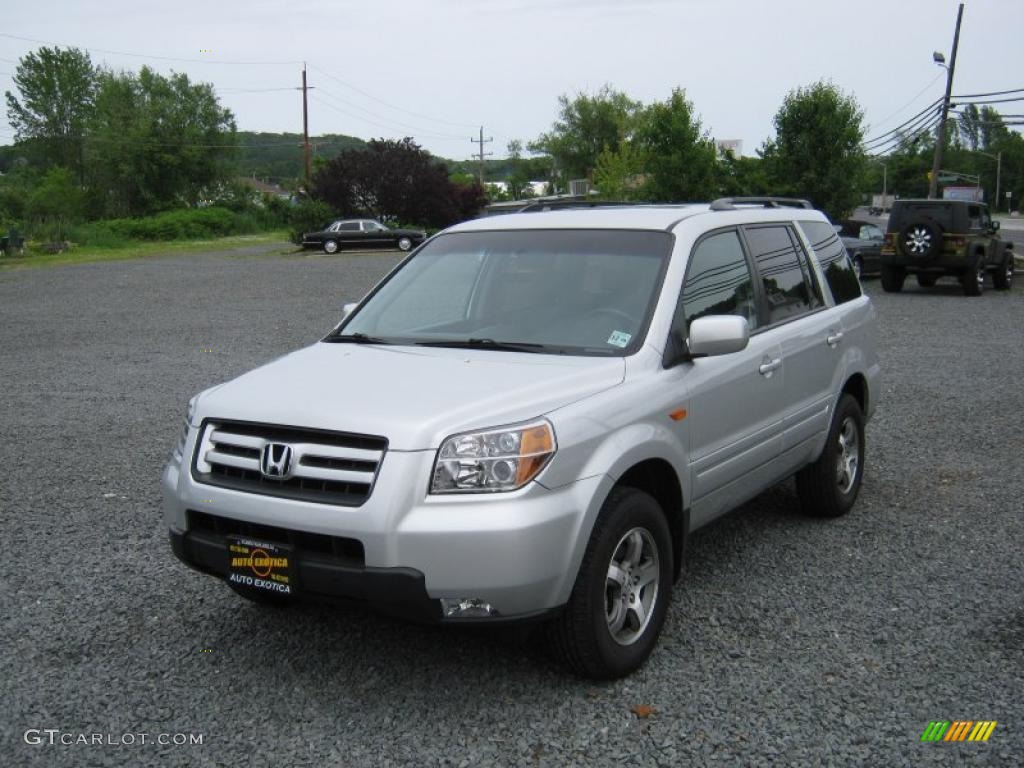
(415,397)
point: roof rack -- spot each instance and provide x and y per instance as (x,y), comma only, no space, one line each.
(730,203)
(554,205)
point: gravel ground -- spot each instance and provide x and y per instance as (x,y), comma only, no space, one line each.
(792,641)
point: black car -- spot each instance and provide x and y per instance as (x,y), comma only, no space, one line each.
(931,239)
(863,241)
(362,233)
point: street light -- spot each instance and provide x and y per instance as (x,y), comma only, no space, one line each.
(998,157)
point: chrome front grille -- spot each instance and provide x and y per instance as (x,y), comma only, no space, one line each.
(324,467)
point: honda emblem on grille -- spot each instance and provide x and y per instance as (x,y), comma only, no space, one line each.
(276,461)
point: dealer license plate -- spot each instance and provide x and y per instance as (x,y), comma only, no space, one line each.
(260,565)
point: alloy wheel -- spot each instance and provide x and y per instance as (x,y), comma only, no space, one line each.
(631,588)
(848,459)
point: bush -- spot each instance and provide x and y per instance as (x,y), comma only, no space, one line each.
(184,224)
(309,216)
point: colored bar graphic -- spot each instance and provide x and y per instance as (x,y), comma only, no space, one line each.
(958,731)
(982,730)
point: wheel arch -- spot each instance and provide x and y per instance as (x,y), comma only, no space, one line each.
(657,477)
(856,385)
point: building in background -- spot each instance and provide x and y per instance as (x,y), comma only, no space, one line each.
(730,145)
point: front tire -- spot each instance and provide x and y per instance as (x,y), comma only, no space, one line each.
(622,592)
(1002,278)
(829,486)
(330,246)
(892,279)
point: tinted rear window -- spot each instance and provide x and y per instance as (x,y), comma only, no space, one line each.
(833,259)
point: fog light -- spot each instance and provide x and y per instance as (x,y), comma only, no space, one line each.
(466,608)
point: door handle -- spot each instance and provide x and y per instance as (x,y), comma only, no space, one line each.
(833,339)
(769,365)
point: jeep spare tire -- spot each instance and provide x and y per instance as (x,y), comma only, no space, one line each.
(921,239)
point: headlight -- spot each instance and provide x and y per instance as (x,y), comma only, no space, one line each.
(493,460)
(179,449)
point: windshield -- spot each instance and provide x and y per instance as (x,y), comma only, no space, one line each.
(587,292)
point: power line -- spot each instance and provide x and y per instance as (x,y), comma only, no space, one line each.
(146,55)
(916,97)
(388,104)
(903,125)
(418,130)
(911,137)
(996,101)
(389,128)
(993,93)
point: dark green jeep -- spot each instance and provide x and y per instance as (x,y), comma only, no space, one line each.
(934,238)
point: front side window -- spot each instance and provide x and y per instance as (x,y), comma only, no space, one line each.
(585,292)
(372,226)
(783,277)
(718,282)
(833,260)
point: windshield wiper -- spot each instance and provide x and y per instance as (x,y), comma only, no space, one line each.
(356,338)
(498,346)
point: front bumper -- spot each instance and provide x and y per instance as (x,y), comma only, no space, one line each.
(517,551)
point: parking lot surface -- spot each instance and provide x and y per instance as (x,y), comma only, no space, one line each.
(791,641)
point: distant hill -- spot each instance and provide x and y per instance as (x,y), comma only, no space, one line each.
(277,157)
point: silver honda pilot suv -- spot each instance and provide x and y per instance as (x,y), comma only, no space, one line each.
(528,416)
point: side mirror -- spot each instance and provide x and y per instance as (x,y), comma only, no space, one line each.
(718,335)
(995,225)
(346,310)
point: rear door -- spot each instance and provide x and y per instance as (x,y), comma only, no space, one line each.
(349,233)
(735,407)
(798,320)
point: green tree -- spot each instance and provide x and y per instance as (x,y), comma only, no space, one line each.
(56,89)
(817,150)
(680,158)
(586,126)
(157,142)
(618,174)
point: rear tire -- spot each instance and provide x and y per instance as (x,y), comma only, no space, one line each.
(613,618)
(926,280)
(404,243)
(829,486)
(1002,278)
(973,279)
(892,279)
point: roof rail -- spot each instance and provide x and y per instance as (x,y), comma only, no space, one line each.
(730,203)
(554,205)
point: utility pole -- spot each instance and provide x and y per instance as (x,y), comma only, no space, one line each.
(305,124)
(933,182)
(481,141)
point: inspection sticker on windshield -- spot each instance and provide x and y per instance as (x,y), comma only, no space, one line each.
(619,339)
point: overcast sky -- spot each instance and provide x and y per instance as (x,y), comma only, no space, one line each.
(440,68)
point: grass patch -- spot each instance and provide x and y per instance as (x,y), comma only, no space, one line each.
(85,254)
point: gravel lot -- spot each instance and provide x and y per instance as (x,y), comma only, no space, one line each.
(792,641)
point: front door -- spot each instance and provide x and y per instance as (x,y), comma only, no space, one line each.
(735,405)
